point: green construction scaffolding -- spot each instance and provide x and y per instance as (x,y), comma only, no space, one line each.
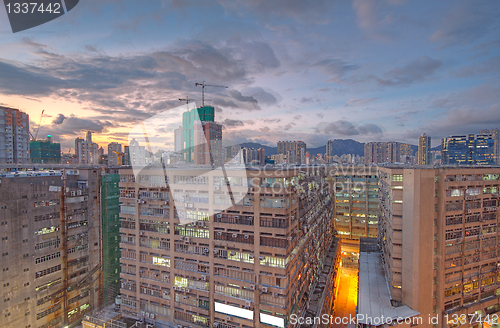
(110,236)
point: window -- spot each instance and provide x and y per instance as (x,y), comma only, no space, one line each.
(397,177)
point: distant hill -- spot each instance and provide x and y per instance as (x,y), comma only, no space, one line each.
(340,147)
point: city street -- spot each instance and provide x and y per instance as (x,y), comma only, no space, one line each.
(347,298)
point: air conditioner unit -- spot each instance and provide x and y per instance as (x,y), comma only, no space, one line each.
(166,203)
(200,223)
(248,304)
(219,216)
(252,286)
(146,314)
(203,278)
(236,217)
(166,276)
(246,236)
(190,205)
(187,240)
(265,289)
(215,251)
(187,290)
(262,258)
(216,324)
(251,257)
(232,253)
(141,233)
(138,200)
(174,287)
(185,204)
(206,250)
(184,297)
(228,318)
(152,315)
(219,233)
(235,235)
(181,238)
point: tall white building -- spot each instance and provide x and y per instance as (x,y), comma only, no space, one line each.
(14,136)
(86,151)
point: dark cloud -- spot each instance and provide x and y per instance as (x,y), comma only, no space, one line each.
(248,102)
(416,70)
(264,97)
(271,120)
(231,123)
(346,128)
(335,68)
(265,129)
(297,117)
(59,119)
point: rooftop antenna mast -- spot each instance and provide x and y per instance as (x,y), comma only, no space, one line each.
(203,85)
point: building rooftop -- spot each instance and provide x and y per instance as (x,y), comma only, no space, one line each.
(374,299)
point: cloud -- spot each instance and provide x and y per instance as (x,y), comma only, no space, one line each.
(263,96)
(301,10)
(416,70)
(231,123)
(265,129)
(346,128)
(59,119)
(466,22)
(247,102)
(359,101)
(335,68)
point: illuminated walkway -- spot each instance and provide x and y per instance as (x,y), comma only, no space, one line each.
(347,297)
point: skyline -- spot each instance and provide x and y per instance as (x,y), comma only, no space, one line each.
(369,71)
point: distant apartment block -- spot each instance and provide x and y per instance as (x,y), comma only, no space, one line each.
(86,151)
(424,148)
(439,238)
(356,202)
(329,151)
(254,156)
(51,261)
(469,150)
(115,155)
(295,151)
(495,133)
(14,136)
(197,253)
(387,152)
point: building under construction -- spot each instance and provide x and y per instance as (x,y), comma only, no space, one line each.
(50,245)
(110,235)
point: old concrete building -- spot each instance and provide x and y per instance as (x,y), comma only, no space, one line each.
(239,248)
(439,240)
(50,249)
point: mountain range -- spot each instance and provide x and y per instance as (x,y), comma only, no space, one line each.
(340,147)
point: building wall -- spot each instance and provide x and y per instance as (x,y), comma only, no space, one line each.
(259,256)
(50,248)
(14,136)
(439,238)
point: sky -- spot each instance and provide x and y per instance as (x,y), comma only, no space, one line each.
(368,70)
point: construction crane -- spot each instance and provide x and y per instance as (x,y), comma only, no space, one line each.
(185,99)
(203,85)
(39,124)
(120,156)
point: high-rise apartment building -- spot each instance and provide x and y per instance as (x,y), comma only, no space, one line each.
(14,136)
(468,150)
(295,151)
(208,143)
(387,152)
(115,155)
(178,140)
(329,151)
(86,151)
(50,246)
(439,238)
(196,252)
(424,148)
(356,202)
(45,151)
(496,135)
